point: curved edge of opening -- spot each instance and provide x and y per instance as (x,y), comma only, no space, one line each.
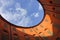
(30,26)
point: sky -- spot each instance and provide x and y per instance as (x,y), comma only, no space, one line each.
(25,13)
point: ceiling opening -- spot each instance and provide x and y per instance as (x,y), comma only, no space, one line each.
(23,13)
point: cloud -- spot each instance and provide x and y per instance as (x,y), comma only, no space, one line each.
(40,7)
(24,21)
(6,2)
(17,15)
(35,14)
(18,18)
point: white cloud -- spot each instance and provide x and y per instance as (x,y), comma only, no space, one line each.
(19,15)
(21,10)
(24,21)
(6,2)
(35,15)
(40,7)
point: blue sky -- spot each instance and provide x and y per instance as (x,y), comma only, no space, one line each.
(24,13)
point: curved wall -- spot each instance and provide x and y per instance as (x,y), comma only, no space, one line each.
(49,29)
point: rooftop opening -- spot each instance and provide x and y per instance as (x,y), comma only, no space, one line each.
(23,13)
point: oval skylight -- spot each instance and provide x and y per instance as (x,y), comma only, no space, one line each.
(25,13)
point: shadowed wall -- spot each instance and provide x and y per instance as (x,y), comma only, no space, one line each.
(48,29)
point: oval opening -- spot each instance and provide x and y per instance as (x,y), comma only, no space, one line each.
(25,13)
